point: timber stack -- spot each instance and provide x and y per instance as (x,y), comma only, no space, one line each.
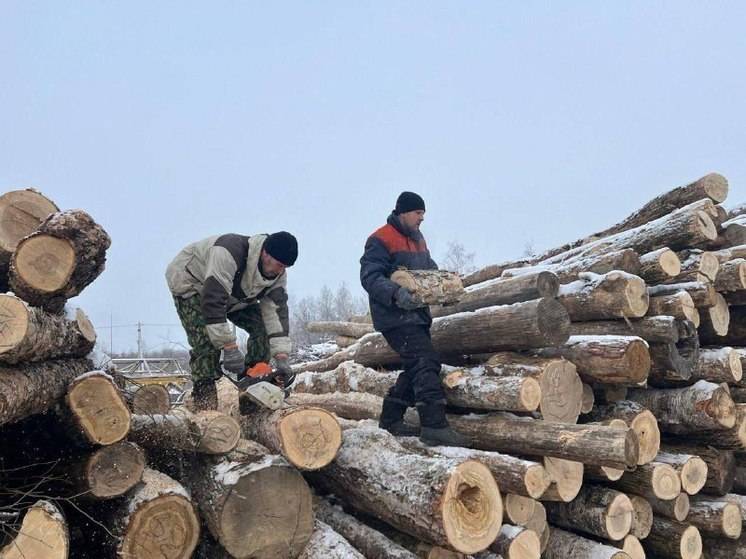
(600,384)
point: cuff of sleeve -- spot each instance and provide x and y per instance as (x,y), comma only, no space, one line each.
(220,334)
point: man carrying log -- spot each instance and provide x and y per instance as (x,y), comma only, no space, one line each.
(241,279)
(405,323)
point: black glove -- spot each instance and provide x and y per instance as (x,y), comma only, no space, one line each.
(282,366)
(405,300)
(233,360)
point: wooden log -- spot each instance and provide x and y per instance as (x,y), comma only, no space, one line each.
(563,545)
(588,399)
(347,377)
(715,322)
(626,260)
(604,473)
(528,513)
(344,341)
(596,510)
(56,262)
(732,276)
(673,365)
(718,364)
(149,399)
(605,359)
(669,538)
(516,542)
(503,292)
(255,506)
(208,432)
(721,548)
(309,438)
(730,253)
(642,517)
(715,516)
(697,265)
(480,392)
(736,329)
(108,472)
(691,468)
(676,509)
(704,405)
(656,478)
(721,465)
(21,212)
(703,294)
(612,295)
(158,510)
(659,265)
(43,534)
(659,329)
(678,305)
(431,287)
(566,479)
(339,328)
(490,272)
(98,410)
(639,419)
(631,546)
(326,543)
(560,385)
(447,502)
(740,500)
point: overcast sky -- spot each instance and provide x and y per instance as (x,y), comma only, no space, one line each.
(517,122)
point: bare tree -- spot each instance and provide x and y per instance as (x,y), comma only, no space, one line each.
(457,259)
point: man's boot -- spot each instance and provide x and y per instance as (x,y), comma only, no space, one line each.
(392,418)
(205,395)
(435,430)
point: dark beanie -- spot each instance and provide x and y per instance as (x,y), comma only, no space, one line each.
(282,246)
(409,202)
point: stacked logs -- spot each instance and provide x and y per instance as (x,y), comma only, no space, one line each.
(600,383)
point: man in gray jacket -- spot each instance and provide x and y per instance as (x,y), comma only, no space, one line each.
(237,278)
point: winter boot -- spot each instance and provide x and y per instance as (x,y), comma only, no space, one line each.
(435,430)
(392,418)
(205,395)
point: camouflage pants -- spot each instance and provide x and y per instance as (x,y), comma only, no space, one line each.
(204,358)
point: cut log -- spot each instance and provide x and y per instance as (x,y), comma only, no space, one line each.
(715,516)
(481,392)
(431,287)
(566,479)
(642,517)
(736,330)
(721,465)
(656,478)
(561,388)
(490,272)
(109,471)
(721,548)
(659,329)
(308,438)
(56,262)
(447,502)
(258,507)
(21,212)
(596,510)
(669,538)
(98,410)
(563,545)
(626,260)
(677,509)
(673,365)
(639,419)
(43,533)
(677,305)
(612,295)
(740,500)
(344,341)
(718,364)
(347,377)
(730,253)
(325,543)
(732,276)
(503,292)
(659,265)
(714,322)
(208,432)
(36,387)
(157,512)
(703,295)
(692,470)
(697,265)
(605,359)
(631,546)
(704,405)
(149,399)
(526,512)
(350,329)
(516,542)
(588,399)
(604,473)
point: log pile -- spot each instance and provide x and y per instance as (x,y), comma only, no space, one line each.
(630,442)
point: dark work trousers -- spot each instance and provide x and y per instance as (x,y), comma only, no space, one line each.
(419,382)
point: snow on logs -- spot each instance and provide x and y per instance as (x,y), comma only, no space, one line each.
(659,265)
(326,543)
(612,295)
(339,328)
(639,419)
(625,260)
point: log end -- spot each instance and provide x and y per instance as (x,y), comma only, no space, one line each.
(524,545)
(666,482)
(669,262)
(681,507)
(632,547)
(638,360)
(562,392)
(734,364)
(310,437)
(589,398)
(705,226)
(732,521)
(43,535)
(721,407)
(472,508)
(85,326)
(44,263)
(151,399)
(219,433)
(690,544)
(636,297)
(715,186)
(618,517)
(530,394)
(21,212)
(98,408)
(115,469)
(14,322)
(567,479)
(547,284)
(645,425)
(537,481)
(553,321)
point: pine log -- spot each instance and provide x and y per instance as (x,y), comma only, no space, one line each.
(718,364)
(149,399)
(721,465)
(563,545)
(691,468)
(338,328)
(347,377)
(503,292)
(43,534)
(97,408)
(703,294)
(481,392)
(56,262)
(659,265)
(596,510)
(21,212)
(431,287)
(642,517)
(669,538)
(208,432)
(656,478)
(516,542)
(639,419)
(605,359)
(157,513)
(715,323)
(626,260)
(255,506)
(588,400)
(673,365)
(697,265)
(612,295)
(308,437)
(678,305)
(561,388)
(566,479)
(36,387)
(447,502)
(715,516)
(703,405)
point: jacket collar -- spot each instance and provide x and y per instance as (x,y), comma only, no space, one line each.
(396,223)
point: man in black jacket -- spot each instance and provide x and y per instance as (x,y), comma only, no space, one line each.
(405,324)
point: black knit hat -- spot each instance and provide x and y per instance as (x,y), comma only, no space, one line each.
(409,202)
(282,246)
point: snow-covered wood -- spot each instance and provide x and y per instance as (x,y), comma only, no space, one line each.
(659,329)
(678,305)
(715,516)
(703,294)
(639,419)
(566,479)
(696,265)
(612,295)
(339,328)
(659,265)
(721,464)
(732,276)
(626,260)
(512,393)
(516,542)
(718,364)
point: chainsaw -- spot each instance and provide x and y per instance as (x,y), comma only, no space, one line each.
(259,384)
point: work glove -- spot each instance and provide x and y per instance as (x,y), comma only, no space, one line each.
(282,366)
(405,300)
(233,360)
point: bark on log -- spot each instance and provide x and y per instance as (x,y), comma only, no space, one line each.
(563,545)
(309,438)
(481,392)
(642,517)
(703,405)
(659,265)
(740,500)
(669,538)
(207,432)
(490,272)
(36,387)
(605,359)
(718,364)
(673,365)
(516,542)
(589,399)
(656,478)
(703,294)
(347,377)
(98,410)
(626,260)
(715,322)
(503,292)
(446,502)
(736,330)
(339,328)
(721,465)
(697,265)
(715,516)
(56,262)
(344,341)
(676,509)
(719,548)
(678,305)
(43,534)
(431,287)
(732,276)
(526,512)
(149,399)
(325,543)
(659,329)
(691,468)
(612,295)
(566,479)
(29,334)
(109,471)
(639,419)
(596,510)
